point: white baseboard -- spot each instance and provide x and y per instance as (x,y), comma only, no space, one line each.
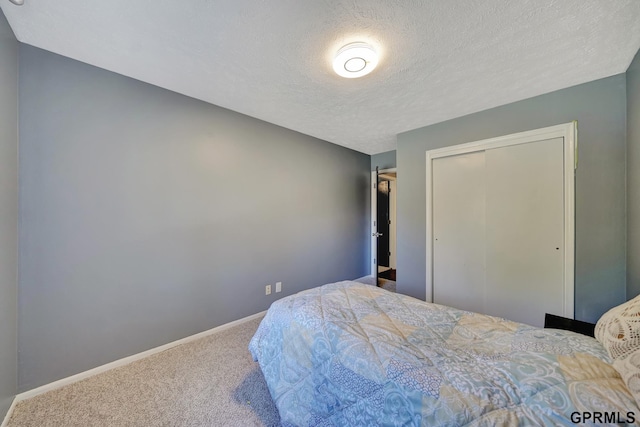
(9,413)
(124,361)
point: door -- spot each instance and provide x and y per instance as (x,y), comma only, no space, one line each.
(383,226)
(500,225)
(524,231)
(459,227)
(382,219)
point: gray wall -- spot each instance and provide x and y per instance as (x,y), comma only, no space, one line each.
(633,178)
(8,214)
(599,107)
(147,216)
(386,160)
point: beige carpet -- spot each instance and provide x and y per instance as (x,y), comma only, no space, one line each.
(209,382)
(388,285)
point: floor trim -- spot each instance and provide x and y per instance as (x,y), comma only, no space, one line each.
(124,361)
(9,413)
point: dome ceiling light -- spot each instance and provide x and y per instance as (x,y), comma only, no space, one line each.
(17,2)
(355,60)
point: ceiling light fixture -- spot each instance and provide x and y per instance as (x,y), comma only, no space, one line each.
(17,2)
(355,60)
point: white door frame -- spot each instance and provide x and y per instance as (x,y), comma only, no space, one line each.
(374,214)
(569,133)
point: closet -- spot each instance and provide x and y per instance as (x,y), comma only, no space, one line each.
(500,225)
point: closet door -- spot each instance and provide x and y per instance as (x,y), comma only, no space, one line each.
(498,230)
(459,228)
(525,231)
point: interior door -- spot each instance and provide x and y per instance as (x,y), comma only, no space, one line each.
(383,225)
(498,230)
(525,231)
(382,219)
(459,227)
(393,246)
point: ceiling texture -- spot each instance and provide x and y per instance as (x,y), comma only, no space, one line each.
(272,59)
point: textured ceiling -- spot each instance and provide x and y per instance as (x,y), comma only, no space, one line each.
(440,59)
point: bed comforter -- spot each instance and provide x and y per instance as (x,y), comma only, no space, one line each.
(353,354)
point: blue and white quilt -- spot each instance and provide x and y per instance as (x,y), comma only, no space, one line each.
(348,354)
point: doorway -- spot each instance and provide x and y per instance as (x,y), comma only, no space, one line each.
(383,226)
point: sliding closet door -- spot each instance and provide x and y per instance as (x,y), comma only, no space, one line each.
(525,231)
(459,228)
(497,213)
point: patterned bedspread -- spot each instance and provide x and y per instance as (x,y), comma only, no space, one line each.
(356,355)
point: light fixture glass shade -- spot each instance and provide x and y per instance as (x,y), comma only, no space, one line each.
(355,60)
(17,2)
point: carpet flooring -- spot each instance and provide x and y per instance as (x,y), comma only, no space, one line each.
(388,285)
(209,382)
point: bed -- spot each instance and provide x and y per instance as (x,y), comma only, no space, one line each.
(354,354)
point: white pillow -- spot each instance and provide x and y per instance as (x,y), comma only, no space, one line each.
(629,369)
(618,330)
